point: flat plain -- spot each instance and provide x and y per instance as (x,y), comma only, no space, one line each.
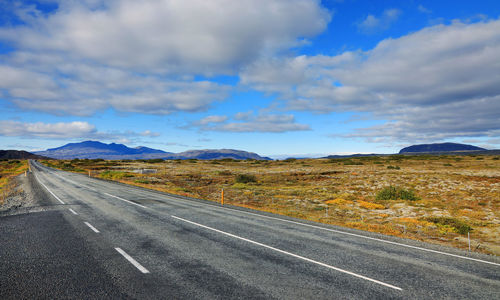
(438,199)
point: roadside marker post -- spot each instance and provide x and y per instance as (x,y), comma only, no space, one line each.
(468,237)
(222,198)
(89,173)
(326,212)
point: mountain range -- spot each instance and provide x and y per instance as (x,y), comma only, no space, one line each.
(94,149)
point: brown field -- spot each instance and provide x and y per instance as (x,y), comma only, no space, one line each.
(9,169)
(436,199)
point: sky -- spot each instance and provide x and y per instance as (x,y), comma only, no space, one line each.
(276,77)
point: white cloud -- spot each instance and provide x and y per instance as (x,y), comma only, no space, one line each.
(260,123)
(241,116)
(68,130)
(212,119)
(437,83)
(149,133)
(372,24)
(46,130)
(424,9)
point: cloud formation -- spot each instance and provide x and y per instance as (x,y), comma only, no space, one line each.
(437,83)
(143,56)
(188,36)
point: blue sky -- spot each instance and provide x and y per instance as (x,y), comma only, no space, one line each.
(280,78)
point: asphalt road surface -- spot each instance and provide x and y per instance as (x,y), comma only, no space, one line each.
(99,239)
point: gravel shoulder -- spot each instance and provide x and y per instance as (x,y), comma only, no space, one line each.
(27,197)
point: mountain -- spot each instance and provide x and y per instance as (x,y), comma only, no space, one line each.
(218,154)
(93,149)
(15,154)
(142,149)
(442,147)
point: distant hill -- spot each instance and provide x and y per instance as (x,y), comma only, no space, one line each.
(442,147)
(93,149)
(15,154)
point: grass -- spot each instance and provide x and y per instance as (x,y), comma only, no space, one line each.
(368,196)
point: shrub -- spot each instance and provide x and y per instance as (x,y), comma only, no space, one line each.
(395,193)
(245,178)
(143,181)
(458,225)
(352,163)
(224,173)
(393,167)
(154,160)
(228,160)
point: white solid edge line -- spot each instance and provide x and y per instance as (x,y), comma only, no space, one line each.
(91,227)
(291,254)
(125,200)
(367,237)
(132,261)
(48,189)
(74,212)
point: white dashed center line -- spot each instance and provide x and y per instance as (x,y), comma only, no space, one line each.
(132,261)
(128,201)
(74,212)
(91,227)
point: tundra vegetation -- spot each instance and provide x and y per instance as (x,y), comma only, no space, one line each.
(431,198)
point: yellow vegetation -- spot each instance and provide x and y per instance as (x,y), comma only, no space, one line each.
(370,205)
(339,201)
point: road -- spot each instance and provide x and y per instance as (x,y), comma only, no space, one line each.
(100,239)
